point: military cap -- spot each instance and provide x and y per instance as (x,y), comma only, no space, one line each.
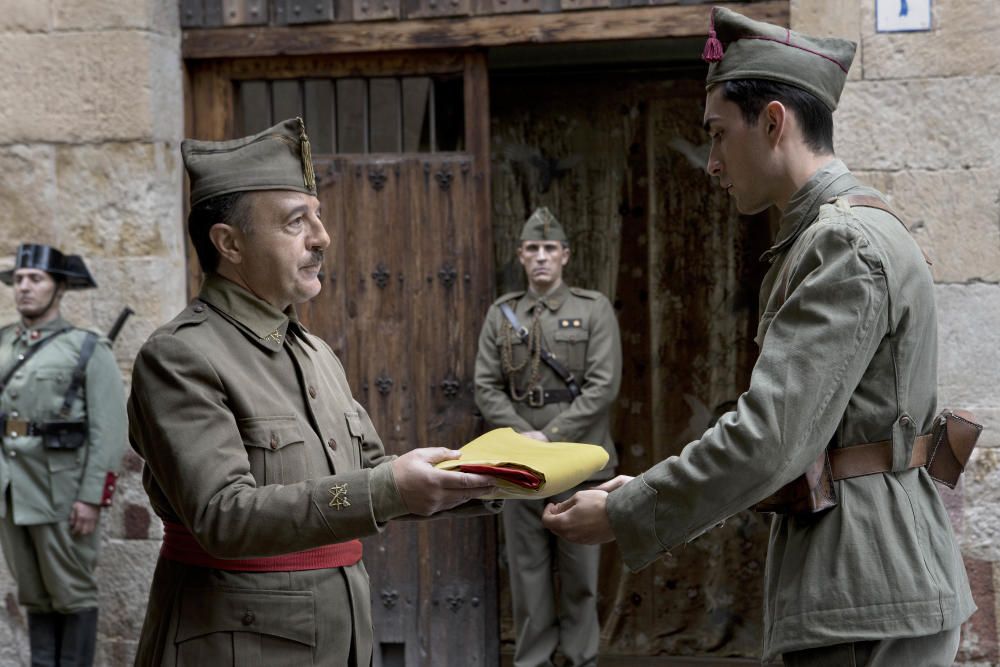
(46,258)
(279,158)
(542,226)
(741,48)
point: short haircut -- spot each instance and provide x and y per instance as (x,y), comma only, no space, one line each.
(231,209)
(815,118)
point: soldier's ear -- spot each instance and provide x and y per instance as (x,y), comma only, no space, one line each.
(227,242)
(774,117)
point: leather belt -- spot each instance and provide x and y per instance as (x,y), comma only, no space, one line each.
(875,457)
(19,428)
(539,397)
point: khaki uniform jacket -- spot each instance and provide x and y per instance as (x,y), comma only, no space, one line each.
(579,327)
(850,356)
(247,425)
(44,483)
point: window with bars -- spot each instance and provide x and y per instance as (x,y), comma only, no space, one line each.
(390,114)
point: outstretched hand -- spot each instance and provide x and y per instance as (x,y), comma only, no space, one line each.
(426,489)
(582,518)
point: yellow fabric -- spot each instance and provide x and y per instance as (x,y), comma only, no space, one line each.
(561,465)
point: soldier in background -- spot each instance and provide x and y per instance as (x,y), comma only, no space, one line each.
(565,397)
(63,410)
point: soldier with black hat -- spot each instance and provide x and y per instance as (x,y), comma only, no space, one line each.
(549,366)
(834,434)
(62,409)
(262,466)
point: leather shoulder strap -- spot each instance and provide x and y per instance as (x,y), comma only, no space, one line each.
(870,201)
(22,359)
(79,373)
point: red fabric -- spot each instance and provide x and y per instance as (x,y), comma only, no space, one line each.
(179,545)
(517,476)
(110,481)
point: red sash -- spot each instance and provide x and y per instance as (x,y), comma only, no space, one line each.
(179,545)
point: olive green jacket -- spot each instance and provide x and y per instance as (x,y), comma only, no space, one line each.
(247,426)
(850,356)
(580,328)
(44,482)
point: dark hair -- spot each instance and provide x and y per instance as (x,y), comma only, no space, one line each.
(815,118)
(231,209)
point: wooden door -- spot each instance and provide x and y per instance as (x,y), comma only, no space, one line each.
(400,145)
(619,158)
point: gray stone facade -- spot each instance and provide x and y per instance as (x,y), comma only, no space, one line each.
(91,116)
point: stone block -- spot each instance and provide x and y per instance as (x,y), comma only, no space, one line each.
(829,18)
(21,16)
(153,15)
(980,538)
(927,124)
(28,192)
(964,41)
(119,199)
(968,340)
(953,214)
(124,573)
(80,87)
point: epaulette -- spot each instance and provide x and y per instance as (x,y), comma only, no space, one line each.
(586,293)
(509,296)
(194,314)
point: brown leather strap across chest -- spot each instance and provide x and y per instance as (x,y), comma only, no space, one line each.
(875,457)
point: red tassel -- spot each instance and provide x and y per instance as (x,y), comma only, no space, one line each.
(713,51)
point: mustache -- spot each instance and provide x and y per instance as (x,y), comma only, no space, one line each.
(316,257)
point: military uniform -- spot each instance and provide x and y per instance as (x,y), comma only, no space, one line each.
(254,443)
(848,355)
(515,388)
(42,473)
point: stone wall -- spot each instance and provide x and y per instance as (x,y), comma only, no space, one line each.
(91,116)
(920,120)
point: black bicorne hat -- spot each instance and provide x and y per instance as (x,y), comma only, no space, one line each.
(46,258)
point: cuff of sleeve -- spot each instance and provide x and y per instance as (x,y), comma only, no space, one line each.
(632,513)
(387,504)
(345,501)
(98,492)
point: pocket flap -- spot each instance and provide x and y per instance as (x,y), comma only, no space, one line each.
(270,432)
(354,424)
(572,335)
(286,614)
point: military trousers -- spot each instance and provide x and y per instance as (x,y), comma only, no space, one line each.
(53,568)
(545,619)
(937,650)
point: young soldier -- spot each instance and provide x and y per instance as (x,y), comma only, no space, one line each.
(848,356)
(568,401)
(62,405)
(262,466)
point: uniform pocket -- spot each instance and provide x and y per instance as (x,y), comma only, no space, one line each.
(220,627)
(276,449)
(571,349)
(64,477)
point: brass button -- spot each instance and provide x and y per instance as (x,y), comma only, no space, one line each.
(249,618)
(199,308)
(274,441)
(13,455)
(312,391)
(15,414)
(555,429)
(904,420)
(331,443)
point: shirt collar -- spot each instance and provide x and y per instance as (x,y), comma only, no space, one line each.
(260,321)
(830,181)
(553,300)
(32,335)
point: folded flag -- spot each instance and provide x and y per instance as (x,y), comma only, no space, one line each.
(525,467)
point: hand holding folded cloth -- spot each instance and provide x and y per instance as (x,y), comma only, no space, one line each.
(527,468)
